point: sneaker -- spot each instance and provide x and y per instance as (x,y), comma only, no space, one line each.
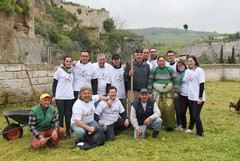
(188,131)
(50,144)
(31,148)
(197,135)
(66,137)
(178,128)
(155,134)
(183,129)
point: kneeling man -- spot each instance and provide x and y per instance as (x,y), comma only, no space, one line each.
(106,115)
(43,123)
(145,114)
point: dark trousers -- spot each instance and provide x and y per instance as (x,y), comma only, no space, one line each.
(177,110)
(65,110)
(124,103)
(196,110)
(75,95)
(184,105)
(114,129)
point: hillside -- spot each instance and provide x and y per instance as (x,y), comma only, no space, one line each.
(170,36)
(37,31)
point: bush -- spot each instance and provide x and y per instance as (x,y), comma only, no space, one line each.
(14,6)
(204,60)
(60,15)
(46,29)
(109,25)
(81,36)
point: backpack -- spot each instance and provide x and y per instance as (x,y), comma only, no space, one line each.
(97,138)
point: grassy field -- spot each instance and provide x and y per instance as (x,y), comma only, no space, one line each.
(221,141)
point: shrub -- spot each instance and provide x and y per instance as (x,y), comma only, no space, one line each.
(109,25)
(60,15)
(14,6)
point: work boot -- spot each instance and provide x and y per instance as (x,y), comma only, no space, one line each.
(50,144)
(155,134)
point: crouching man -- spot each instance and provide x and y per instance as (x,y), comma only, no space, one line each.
(43,123)
(145,114)
(106,115)
(82,120)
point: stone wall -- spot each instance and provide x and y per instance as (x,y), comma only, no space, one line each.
(87,16)
(218,72)
(15,84)
(212,50)
(16,87)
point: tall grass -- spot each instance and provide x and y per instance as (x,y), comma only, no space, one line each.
(221,140)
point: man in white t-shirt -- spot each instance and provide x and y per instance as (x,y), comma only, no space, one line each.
(82,120)
(117,78)
(152,61)
(109,115)
(102,72)
(171,60)
(84,74)
(172,63)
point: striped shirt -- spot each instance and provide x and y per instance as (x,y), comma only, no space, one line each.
(163,76)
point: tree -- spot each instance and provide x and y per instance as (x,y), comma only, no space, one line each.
(233,60)
(109,25)
(221,55)
(81,36)
(229,60)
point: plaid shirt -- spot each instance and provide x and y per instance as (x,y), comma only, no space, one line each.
(32,124)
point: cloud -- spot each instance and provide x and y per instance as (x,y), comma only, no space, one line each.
(200,15)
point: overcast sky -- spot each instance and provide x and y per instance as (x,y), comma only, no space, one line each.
(222,16)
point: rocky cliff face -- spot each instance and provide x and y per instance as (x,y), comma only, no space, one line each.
(18,41)
(212,50)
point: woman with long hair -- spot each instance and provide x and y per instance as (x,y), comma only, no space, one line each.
(183,97)
(196,94)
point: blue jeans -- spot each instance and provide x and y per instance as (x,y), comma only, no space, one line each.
(80,132)
(154,124)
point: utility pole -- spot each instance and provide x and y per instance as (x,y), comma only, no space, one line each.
(185,26)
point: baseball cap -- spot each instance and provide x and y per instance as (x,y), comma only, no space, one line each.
(44,95)
(115,56)
(138,50)
(143,90)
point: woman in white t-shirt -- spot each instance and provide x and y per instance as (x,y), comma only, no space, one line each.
(196,93)
(183,97)
(62,90)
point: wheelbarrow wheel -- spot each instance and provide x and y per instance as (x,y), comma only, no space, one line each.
(12,131)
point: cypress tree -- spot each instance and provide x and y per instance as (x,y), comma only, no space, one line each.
(233,60)
(229,60)
(221,55)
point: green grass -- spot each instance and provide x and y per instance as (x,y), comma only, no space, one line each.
(221,141)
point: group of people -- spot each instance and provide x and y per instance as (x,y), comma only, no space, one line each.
(92,96)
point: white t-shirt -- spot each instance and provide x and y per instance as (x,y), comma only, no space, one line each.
(174,66)
(103,76)
(195,77)
(109,115)
(64,90)
(152,63)
(84,111)
(83,74)
(117,80)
